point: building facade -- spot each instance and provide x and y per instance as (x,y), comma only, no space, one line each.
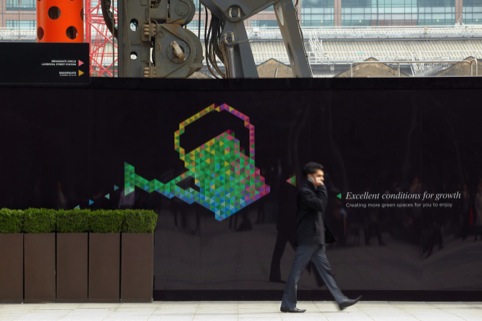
(318,13)
(20,14)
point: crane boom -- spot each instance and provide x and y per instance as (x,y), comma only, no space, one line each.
(154,43)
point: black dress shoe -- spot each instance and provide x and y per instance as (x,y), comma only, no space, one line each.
(345,304)
(292,310)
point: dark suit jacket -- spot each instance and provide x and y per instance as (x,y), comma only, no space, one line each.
(310,227)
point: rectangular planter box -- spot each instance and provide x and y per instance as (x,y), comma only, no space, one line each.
(39,267)
(104,267)
(137,267)
(11,268)
(72,267)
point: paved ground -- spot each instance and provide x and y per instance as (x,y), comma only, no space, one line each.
(244,311)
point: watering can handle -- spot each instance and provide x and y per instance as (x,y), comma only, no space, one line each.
(205,111)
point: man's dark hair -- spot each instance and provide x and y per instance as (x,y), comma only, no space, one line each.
(311,168)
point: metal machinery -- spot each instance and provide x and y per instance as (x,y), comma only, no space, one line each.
(154,43)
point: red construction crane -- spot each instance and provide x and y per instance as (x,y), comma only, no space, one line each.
(103,46)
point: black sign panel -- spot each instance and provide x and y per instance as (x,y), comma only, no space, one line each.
(220,162)
(44,63)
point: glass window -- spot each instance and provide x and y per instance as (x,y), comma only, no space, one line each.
(195,24)
(436,3)
(264,23)
(317,13)
(317,3)
(394,3)
(355,3)
(21,25)
(472,12)
(20,5)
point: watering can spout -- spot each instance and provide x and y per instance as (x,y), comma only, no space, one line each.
(224,200)
(169,190)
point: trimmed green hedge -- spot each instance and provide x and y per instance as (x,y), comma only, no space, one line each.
(41,220)
(11,221)
(139,221)
(106,221)
(73,221)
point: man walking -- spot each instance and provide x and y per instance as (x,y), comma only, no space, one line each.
(310,240)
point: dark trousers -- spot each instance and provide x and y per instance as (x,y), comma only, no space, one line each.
(305,253)
(279,248)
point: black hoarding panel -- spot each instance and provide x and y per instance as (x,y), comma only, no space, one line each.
(220,162)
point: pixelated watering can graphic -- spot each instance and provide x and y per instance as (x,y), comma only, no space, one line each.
(226,179)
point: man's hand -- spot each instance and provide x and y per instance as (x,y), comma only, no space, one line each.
(319,181)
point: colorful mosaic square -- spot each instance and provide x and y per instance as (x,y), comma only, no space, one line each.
(227,180)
